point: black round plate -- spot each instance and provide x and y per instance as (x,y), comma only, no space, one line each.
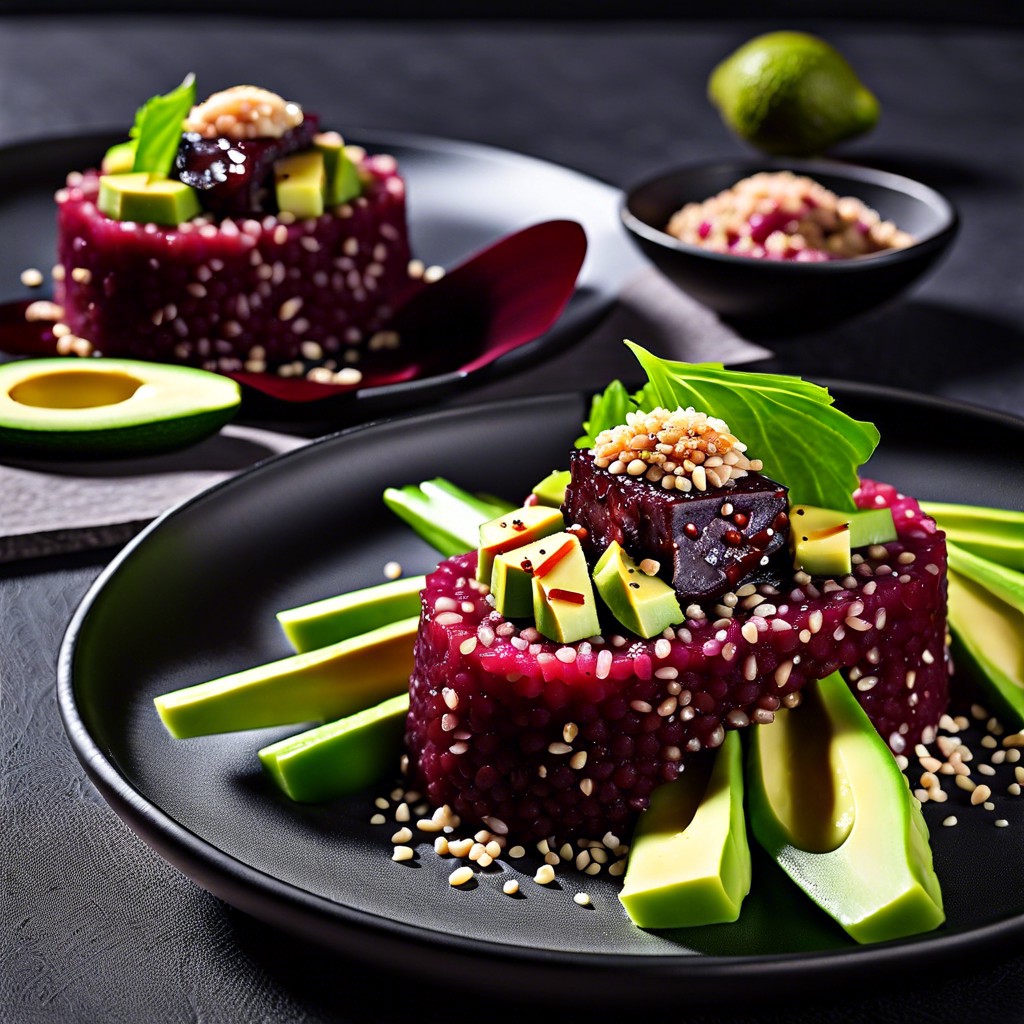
(194,597)
(462,197)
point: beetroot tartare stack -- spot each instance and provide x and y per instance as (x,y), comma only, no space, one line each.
(255,242)
(538,737)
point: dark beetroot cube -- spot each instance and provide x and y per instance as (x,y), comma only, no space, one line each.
(233,176)
(713,540)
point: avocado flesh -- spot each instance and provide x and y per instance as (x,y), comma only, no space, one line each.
(342,177)
(564,606)
(551,490)
(690,863)
(325,622)
(300,182)
(867,526)
(341,757)
(318,685)
(644,604)
(823,552)
(513,571)
(119,159)
(147,199)
(993,533)
(878,883)
(109,407)
(513,530)
(990,635)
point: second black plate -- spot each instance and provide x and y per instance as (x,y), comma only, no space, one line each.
(194,597)
(462,197)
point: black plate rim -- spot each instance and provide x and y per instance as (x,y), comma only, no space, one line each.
(298,910)
(949,217)
(584,311)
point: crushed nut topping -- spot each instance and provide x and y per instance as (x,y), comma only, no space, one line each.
(681,450)
(244,112)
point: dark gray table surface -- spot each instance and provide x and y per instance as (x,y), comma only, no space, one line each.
(93,925)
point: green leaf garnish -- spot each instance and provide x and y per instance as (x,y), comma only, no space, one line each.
(607,409)
(157,128)
(788,423)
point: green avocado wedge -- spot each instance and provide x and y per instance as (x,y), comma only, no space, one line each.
(989,636)
(690,863)
(841,820)
(109,407)
(333,619)
(993,533)
(316,686)
(340,757)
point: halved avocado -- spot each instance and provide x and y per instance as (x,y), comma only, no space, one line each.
(109,407)
(839,817)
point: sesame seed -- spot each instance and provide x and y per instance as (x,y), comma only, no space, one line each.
(545,875)
(403,835)
(31,277)
(403,853)
(460,876)
(378,819)
(980,794)
(581,899)
(511,887)
(402,813)
(950,821)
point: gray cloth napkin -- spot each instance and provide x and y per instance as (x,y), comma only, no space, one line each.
(59,507)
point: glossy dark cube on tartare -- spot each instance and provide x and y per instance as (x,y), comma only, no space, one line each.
(706,541)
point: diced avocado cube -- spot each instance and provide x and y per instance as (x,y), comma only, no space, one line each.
(343,183)
(564,606)
(299,183)
(551,490)
(513,572)
(513,530)
(644,604)
(340,757)
(819,539)
(119,159)
(690,861)
(147,199)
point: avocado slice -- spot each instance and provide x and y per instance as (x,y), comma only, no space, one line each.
(839,817)
(300,182)
(564,606)
(338,618)
(867,526)
(512,530)
(443,514)
(340,757)
(551,490)
(644,604)
(989,635)
(325,684)
(690,862)
(342,177)
(993,533)
(109,407)
(147,199)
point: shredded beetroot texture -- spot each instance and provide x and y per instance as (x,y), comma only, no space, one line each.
(571,740)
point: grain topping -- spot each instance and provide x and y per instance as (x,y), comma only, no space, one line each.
(244,112)
(681,450)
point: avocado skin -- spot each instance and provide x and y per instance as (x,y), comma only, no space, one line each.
(143,428)
(879,884)
(993,533)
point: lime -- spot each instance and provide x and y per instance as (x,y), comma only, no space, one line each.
(791,93)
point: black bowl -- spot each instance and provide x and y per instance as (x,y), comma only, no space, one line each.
(775,297)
